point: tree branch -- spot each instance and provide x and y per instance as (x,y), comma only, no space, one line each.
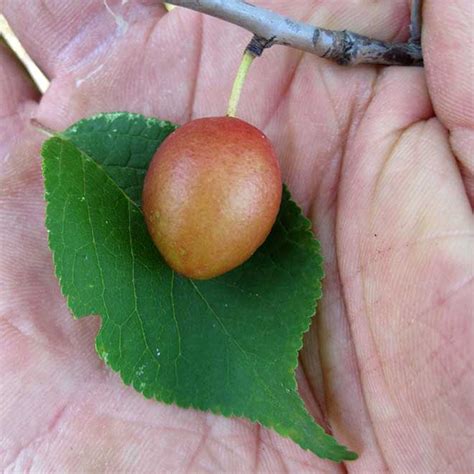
(415,22)
(344,47)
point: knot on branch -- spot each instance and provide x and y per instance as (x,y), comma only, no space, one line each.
(258,44)
(350,48)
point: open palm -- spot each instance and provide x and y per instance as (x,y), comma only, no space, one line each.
(387,183)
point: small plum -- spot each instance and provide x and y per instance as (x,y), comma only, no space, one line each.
(211,195)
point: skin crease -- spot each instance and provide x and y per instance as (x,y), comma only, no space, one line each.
(379,158)
(211,195)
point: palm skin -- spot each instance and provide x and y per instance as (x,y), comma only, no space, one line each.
(387,183)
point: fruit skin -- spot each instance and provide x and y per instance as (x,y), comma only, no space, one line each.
(211,195)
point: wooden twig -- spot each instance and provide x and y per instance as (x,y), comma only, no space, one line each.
(344,47)
(415,22)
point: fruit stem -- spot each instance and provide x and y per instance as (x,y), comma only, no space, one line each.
(244,67)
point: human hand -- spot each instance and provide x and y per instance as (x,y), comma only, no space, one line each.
(387,363)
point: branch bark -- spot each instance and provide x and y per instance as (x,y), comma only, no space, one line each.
(344,47)
(415,22)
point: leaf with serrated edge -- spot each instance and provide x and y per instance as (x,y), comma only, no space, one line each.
(228,345)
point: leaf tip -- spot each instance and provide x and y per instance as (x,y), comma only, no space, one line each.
(351,456)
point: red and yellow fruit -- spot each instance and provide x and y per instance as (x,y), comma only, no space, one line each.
(211,195)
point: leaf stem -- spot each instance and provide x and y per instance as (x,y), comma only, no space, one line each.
(247,60)
(49,132)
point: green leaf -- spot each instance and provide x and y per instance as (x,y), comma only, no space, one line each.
(228,345)
(123,144)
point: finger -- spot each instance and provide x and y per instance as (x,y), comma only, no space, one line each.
(405,229)
(60,35)
(448,43)
(18,95)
